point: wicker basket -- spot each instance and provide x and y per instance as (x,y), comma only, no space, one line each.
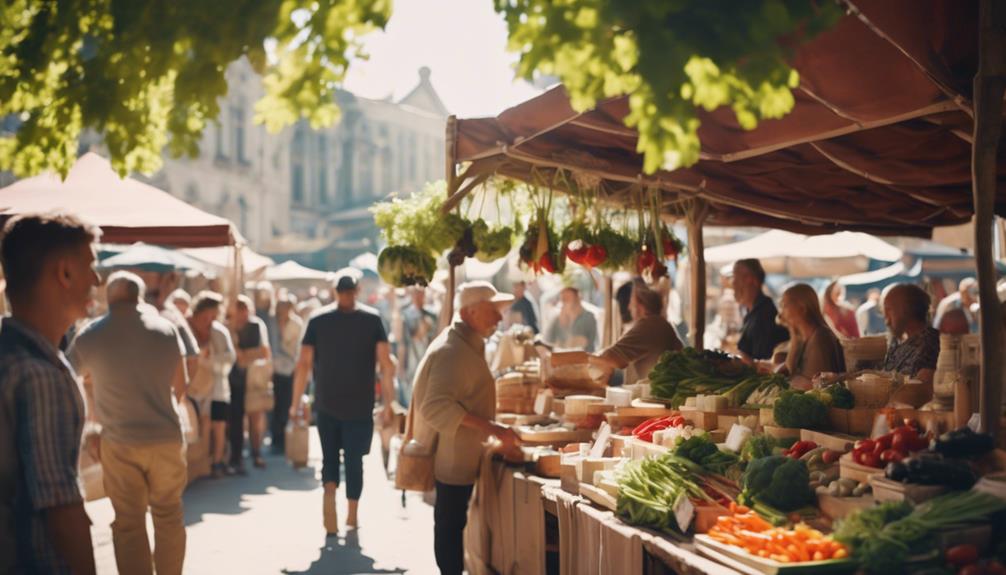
(871,393)
(864,352)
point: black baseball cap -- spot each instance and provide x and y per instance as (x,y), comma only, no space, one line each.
(347,279)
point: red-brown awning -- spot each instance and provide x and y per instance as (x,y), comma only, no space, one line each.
(879,139)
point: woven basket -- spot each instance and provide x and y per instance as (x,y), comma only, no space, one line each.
(864,352)
(872,394)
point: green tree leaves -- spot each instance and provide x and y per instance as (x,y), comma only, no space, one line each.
(145,74)
(670,56)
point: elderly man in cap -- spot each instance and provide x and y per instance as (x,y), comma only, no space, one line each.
(455,397)
(342,343)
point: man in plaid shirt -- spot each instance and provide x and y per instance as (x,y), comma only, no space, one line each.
(48,261)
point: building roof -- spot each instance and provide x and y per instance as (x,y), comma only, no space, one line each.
(423,96)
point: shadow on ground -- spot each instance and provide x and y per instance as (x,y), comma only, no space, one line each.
(343,555)
(224,495)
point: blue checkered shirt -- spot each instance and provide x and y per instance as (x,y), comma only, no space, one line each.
(41,420)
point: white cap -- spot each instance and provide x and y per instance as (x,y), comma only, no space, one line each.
(471,293)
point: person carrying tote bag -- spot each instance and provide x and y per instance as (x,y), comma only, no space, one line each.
(415,459)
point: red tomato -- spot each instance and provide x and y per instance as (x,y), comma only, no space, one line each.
(857,456)
(576,251)
(871,460)
(596,255)
(645,260)
(973,569)
(902,442)
(546,263)
(864,445)
(890,455)
(995,568)
(919,442)
(883,442)
(962,555)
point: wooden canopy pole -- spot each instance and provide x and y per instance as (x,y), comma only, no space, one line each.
(989,87)
(451,160)
(608,336)
(695,218)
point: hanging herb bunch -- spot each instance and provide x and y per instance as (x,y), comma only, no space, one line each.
(416,232)
(492,242)
(579,242)
(657,241)
(541,250)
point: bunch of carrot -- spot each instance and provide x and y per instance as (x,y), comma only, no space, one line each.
(745,529)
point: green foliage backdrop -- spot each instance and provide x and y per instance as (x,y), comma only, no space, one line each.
(148,74)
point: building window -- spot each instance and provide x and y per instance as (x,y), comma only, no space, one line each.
(243,209)
(413,153)
(218,133)
(238,124)
(297,165)
(322,168)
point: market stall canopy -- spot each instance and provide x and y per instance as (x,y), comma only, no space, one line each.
(782,252)
(151,258)
(126,209)
(291,271)
(365,262)
(879,139)
(223,258)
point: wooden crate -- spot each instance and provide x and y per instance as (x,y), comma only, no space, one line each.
(861,420)
(835,442)
(838,507)
(886,490)
(706,420)
(849,469)
(782,432)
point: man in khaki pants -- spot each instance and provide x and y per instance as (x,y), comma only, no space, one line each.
(134,357)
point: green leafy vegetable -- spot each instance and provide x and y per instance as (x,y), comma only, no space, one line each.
(778,481)
(649,491)
(700,449)
(756,447)
(800,410)
(402,266)
(491,244)
(418,221)
(679,375)
(882,538)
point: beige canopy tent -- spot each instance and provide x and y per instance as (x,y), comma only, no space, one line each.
(895,131)
(798,255)
(126,209)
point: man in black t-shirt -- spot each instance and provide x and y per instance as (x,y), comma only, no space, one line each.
(342,343)
(759,333)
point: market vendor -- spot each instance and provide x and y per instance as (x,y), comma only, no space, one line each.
(813,347)
(639,349)
(760,334)
(915,344)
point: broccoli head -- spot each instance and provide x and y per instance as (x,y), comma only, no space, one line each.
(782,482)
(841,397)
(800,410)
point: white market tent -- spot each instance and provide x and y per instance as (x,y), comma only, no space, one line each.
(253,263)
(783,252)
(291,271)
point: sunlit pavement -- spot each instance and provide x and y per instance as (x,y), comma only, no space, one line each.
(270,522)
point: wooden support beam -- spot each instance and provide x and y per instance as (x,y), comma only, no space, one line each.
(989,88)
(607,337)
(695,219)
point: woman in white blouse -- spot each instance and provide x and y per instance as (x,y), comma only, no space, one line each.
(209,384)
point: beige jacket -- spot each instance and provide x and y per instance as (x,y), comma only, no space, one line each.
(451,380)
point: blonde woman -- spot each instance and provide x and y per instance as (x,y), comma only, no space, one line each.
(813,347)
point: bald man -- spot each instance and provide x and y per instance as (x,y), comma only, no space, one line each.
(915,344)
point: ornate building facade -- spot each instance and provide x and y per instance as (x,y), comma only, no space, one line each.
(305,192)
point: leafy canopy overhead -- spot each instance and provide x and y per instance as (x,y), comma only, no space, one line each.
(670,56)
(146,74)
